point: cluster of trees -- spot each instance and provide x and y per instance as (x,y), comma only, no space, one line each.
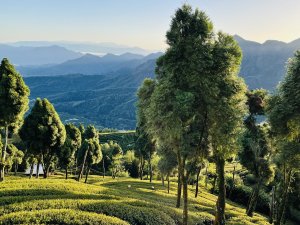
(198,109)
(44,139)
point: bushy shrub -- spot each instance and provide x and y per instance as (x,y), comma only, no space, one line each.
(60,216)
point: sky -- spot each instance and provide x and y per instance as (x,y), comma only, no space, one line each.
(142,23)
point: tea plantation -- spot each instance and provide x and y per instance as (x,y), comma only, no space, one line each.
(106,201)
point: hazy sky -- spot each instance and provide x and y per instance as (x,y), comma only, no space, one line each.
(142,23)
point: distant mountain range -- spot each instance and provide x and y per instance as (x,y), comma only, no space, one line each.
(86,47)
(107,96)
(263,65)
(28,55)
(89,64)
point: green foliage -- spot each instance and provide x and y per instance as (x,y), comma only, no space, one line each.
(125,139)
(13,95)
(92,149)
(71,145)
(91,132)
(60,216)
(43,132)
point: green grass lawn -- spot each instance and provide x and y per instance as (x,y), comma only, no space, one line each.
(105,201)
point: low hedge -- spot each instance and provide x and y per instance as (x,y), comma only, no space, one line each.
(60,216)
(133,214)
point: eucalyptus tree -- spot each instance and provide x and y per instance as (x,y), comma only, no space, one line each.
(90,153)
(228,111)
(284,113)
(43,133)
(256,151)
(15,157)
(89,147)
(178,113)
(13,104)
(70,147)
(116,156)
(144,146)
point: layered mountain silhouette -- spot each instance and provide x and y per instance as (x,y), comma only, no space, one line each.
(27,55)
(102,90)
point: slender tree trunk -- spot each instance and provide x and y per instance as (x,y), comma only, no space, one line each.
(162,180)
(185,178)
(103,167)
(150,167)
(37,175)
(254,197)
(283,203)
(31,170)
(179,187)
(197,181)
(168,178)
(220,213)
(2,167)
(141,168)
(46,170)
(82,167)
(16,168)
(66,172)
(272,205)
(87,174)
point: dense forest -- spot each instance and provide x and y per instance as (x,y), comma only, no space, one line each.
(200,131)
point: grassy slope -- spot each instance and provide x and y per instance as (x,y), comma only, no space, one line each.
(138,204)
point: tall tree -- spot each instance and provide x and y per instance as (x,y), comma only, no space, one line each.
(43,132)
(229,104)
(90,153)
(256,151)
(144,146)
(284,113)
(116,156)
(13,103)
(90,134)
(70,147)
(178,115)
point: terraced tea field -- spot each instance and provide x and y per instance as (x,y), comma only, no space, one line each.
(105,201)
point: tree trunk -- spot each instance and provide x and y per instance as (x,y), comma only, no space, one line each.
(220,213)
(31,170)
(82,167)
(2,167)
(272,205)
(46,170)
(179,188)
(283,203)
(103,167)
(66,172)
(168,177)
(37,175)
(87,174)
(162,180)
(254,197)
(150,168)
(16,168)
(197,182)
(185,197)
(141,168)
